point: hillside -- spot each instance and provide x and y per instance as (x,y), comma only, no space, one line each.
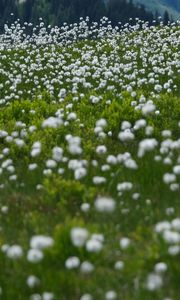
(172,6)
(90,162)
(56,12)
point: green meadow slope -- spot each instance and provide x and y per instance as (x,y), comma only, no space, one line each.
(90,163)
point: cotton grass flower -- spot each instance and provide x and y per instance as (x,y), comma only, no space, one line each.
(72,262)
(105,204)
(154,282)
(79,236)
(124,243)
(34,255)
(14,252)
(41,242)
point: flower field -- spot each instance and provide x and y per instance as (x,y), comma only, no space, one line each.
(90,162)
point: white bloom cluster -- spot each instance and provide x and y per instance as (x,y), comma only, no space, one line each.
(105,204)
(170,232)
(36,149)
(37,244)
(146,145)
(74,146)
(124,186)
(13,252)
(79,236)
(52,122)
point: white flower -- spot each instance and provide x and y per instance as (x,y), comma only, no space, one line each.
(32,167)
(36,149)
(72,262)
(176,224)
(79,236)
(140,124)
(125,125)
(101,149)
(41,241)
(131,164)
(169,178)
(94,245)
(35,296)
(47,296)
(146,145)
(124,186)
(111,159)
(160,267)
(105,204)
(154,282)
(52,122)
(86,297)
(14,252)
(124,243)
(99,180)
(176,170)
(75,149)
(86,267)
(32,281)
(174,250)
(71,116)
(148,108)
(85,207)
(126,136)
(110,295)
(162,226)
(50,163)
(80,173)
(57,153)
(101,123)
(34,255)
(119,265)
(171,237)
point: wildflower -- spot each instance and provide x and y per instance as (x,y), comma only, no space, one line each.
(94,245)
(160,267)
(105,204)
(79,236)
(34,255)
(32,281)
(72,262)
(119,265)
(126,136)
(146,145)
(14,252)
(87,267)
(124,243)
(41,241)
(111,295)
(154,282)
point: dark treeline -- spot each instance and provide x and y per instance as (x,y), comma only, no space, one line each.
(56,12)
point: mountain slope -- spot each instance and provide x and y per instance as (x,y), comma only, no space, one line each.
(172,6)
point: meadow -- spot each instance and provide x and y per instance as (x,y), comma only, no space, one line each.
(90,162)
